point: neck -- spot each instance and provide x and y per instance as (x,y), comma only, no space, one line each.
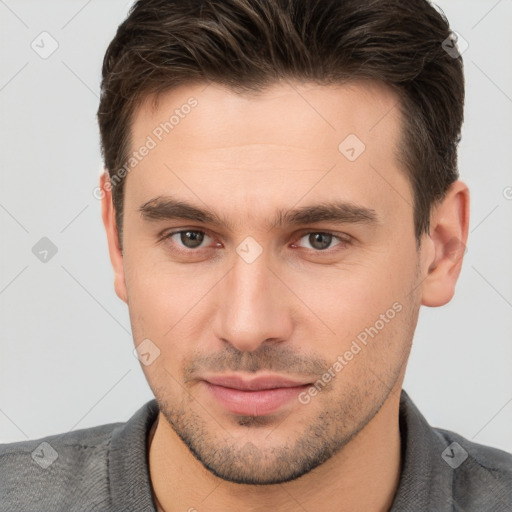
(364,475)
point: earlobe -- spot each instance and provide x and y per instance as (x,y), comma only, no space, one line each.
(448,234)
(109,221)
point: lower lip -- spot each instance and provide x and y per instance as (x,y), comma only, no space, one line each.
(253,403)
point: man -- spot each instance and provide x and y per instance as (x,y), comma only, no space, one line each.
(282,197)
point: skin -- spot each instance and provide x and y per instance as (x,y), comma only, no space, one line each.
(294,309)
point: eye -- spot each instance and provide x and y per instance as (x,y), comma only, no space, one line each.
(189,238)
(321,240)
(193,240)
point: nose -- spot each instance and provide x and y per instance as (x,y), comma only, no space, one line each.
(254,306)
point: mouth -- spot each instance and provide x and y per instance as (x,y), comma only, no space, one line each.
(257,396)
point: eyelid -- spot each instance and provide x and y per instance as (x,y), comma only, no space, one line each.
(168,234)
(343,238)
(337,234)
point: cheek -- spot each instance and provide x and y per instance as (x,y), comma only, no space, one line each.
(164,305)
(154,287)
(362,312)
(373,354)
(349,297)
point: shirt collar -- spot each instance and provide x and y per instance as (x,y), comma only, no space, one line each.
(426,479)
(128,470)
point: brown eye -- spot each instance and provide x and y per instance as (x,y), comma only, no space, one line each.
(190,239)
(322,241)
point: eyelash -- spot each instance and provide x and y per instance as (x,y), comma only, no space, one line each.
(344,240)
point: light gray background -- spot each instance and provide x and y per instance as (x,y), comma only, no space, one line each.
(66,358)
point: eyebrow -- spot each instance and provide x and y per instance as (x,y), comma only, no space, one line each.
(342,212)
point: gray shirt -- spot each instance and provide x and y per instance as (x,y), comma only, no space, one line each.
(105,468)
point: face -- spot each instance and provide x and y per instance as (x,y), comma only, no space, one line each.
(269,261)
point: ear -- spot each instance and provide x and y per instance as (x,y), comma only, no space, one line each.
(109,221)
(449,223)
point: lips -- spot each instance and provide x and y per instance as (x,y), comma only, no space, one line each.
(257,396)
(254,384)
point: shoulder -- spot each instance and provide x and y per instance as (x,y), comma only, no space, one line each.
(444,471)
(482,475)
(50,472)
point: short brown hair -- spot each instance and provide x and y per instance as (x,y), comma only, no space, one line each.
(250,44)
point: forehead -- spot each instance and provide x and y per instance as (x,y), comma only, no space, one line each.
(279,114)
(288,141)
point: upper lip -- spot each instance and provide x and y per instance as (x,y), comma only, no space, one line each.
(255,383)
